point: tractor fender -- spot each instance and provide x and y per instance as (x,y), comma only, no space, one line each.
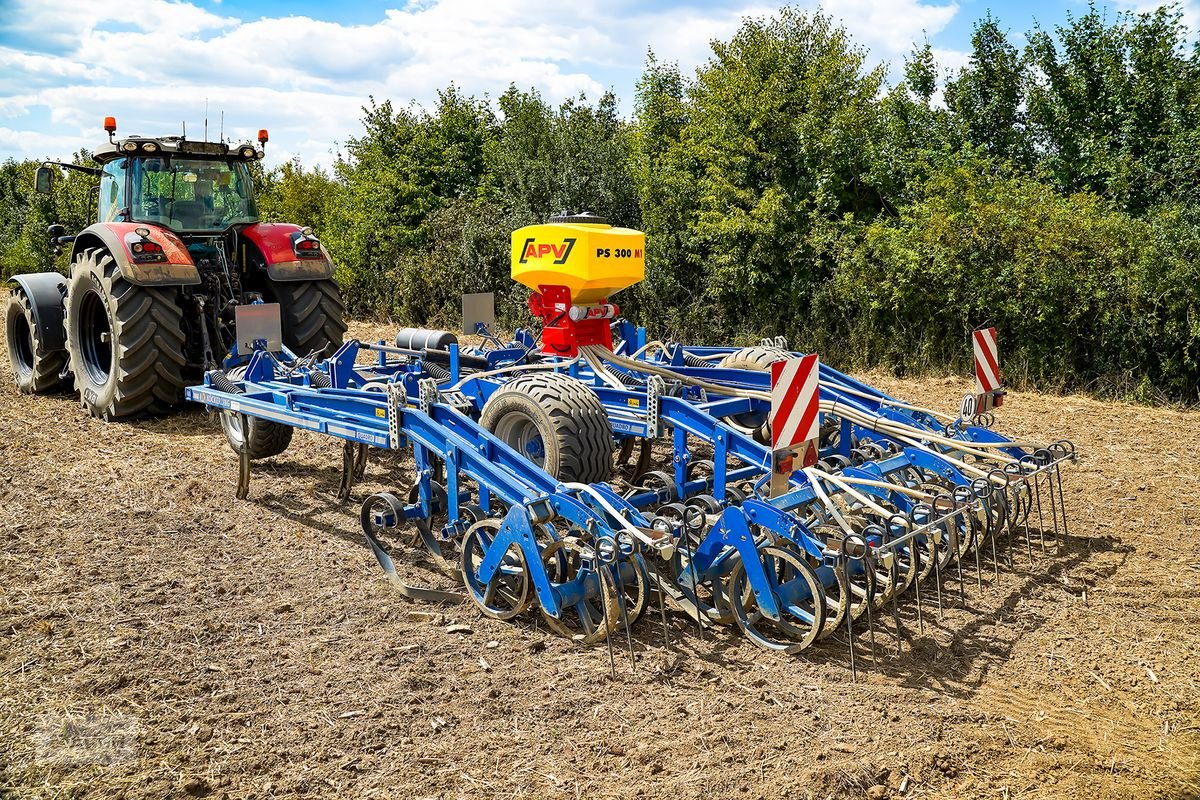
(118,237)
(46,291)
(275,240)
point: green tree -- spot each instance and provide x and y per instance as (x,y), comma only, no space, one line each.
(986,98)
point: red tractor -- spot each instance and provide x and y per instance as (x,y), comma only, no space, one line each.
(149,303)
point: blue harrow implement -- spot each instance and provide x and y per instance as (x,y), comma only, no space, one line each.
(516,493)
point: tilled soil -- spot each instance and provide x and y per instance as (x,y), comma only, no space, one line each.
(161,639)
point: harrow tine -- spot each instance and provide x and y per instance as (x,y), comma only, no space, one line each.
(986,492)
(849,601)
(869,569)
(895,586)
(695,587)
(915,548)
(964,493)
(1037,494)
(622,603)
(1062,501)
(1047,458)
(601,566)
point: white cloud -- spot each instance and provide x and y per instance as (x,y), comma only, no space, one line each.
(307,79)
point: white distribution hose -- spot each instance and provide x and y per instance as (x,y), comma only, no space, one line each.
(662,545)
(513,368)
(913,437)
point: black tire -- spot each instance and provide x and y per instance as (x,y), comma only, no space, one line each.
(755,358)
(36,370)
(125,341)
(312,313)
(266,439)
(759,358)
(562,415)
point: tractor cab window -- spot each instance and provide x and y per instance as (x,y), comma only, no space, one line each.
(112,190)
(190,194)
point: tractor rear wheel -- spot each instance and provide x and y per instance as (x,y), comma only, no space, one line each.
(125,341)
(312,313)
(760,358)
(555,421)
(35,369)
(265,439)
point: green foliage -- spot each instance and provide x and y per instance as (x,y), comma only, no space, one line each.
(25,215)
(1077,289)
(775,133)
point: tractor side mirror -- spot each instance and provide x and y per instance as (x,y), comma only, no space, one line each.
(43,180)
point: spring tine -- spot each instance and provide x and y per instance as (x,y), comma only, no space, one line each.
(243,484)
(849,601)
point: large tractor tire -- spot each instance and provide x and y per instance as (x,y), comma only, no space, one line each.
(125,341)
(265,438)
(312,313)
(36,368)
(759,358)
(555,421)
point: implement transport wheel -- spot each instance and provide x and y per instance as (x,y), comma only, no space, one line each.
(555,421)
(752,423)
(266,438)
(125,341)
(35,369)
(312,314)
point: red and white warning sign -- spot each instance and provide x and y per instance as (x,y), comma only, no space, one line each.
(987,361)
(795,413)
(988,394)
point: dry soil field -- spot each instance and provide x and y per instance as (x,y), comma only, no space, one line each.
(216,648)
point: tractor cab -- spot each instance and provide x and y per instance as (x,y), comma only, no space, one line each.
(189,187)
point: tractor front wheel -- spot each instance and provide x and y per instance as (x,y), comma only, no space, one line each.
(312,314)
(125,342)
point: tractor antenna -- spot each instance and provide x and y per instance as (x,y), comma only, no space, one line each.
(206,119)
(222,125)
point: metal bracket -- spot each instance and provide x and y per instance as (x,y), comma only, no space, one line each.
(429,394)
(656,387)
(397,399)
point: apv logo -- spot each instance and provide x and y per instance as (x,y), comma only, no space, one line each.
(532,249)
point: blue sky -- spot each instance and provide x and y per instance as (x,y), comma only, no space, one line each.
(303,69)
